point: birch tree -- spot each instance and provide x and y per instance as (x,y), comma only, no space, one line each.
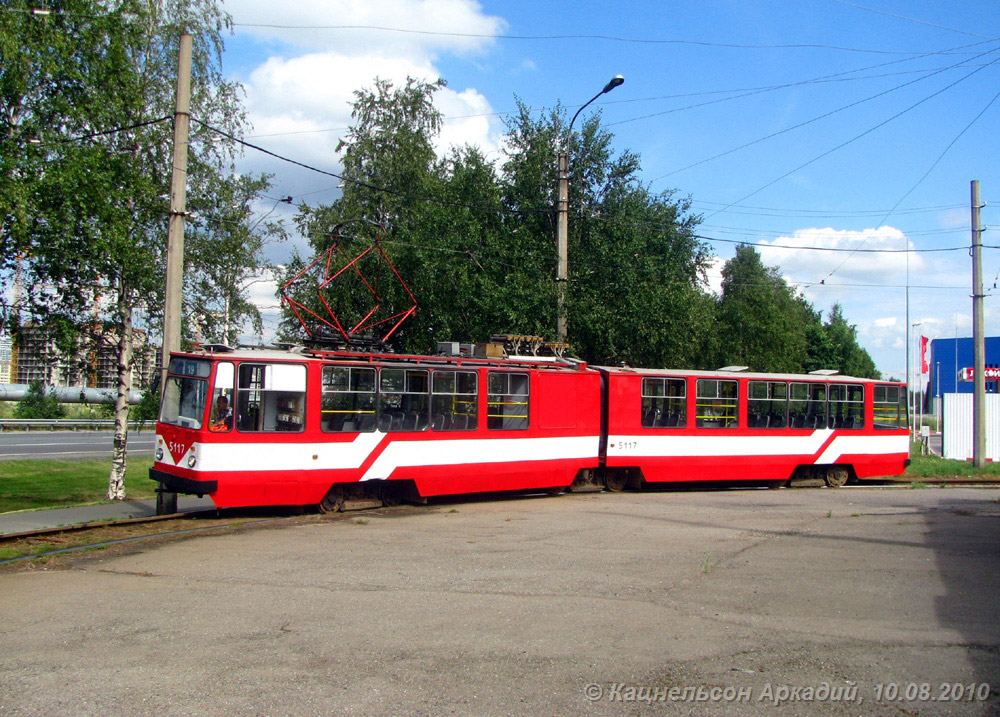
(86,160)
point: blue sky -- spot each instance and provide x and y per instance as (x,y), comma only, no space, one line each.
(893,98)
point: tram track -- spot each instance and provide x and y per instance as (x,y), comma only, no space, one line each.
(46,543)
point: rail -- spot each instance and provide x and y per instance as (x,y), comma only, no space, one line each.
(67,424)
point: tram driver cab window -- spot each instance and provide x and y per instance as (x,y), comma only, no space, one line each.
(270,397)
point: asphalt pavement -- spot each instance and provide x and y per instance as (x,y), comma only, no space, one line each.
(70,445)
(855,601)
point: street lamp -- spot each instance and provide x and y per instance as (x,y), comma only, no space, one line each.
(562,214)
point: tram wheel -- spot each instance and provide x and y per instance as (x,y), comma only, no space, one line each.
(332,501)
(836,476)
(615,481)
(776,484)
(555,490)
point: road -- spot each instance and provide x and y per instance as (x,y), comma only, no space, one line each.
(70,445)
(603,604)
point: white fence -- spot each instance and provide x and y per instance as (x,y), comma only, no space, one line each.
(957,428)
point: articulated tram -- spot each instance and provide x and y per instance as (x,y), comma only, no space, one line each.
(268,427)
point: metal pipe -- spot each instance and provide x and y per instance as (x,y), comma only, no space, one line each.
(67,394)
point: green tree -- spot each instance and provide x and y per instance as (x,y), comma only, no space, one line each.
(476,243)
(38,404)
(846,355)
(761,321)
(87,160)
(389,167)
(224,250)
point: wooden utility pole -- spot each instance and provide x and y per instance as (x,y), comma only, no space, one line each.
(978,336)
(166,502)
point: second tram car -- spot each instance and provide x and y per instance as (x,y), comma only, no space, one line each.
(312,427)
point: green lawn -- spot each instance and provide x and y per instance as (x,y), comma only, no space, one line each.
(26,485)
(936,467)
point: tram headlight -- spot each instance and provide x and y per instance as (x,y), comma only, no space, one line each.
(159,454)
(192,459)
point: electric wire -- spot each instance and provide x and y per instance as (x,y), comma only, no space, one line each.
(747,90)
(814,119)
(908,19)
(610,38)
(808,213)
(811,81)
(104,133)
(360,183)
(925,175)
(856,137)
(548,210)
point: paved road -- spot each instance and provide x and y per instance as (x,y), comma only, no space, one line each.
(70,445)
(568,605)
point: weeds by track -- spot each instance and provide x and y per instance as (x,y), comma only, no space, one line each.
(40,547)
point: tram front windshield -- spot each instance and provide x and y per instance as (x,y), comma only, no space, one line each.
(185,393)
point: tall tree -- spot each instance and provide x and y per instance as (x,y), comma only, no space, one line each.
(477,243)
(89,159)
(225,256)
(760,317)
(846,355)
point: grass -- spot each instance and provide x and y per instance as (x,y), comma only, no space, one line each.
(937,467)
(31,485)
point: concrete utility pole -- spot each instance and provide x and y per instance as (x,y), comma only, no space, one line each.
(978,336)
(166,502)
(562,215)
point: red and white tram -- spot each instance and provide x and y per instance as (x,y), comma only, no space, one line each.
(312,427)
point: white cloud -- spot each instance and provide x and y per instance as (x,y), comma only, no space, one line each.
(713,275)
(433,26)
(300,83)
(299,103)
(887,264)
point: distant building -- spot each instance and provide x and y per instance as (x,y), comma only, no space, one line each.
(5,358)
(948,358)
(93,365)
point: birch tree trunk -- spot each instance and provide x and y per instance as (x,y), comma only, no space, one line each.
(116,481)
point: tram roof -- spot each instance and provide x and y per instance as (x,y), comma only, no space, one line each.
(541,362)
(834,377)
(354,357)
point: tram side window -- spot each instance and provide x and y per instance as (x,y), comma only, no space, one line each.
(807,405)
(270,397)
(767,404)
(348,399)
(403,400)
(889,405)
(454,401)
(507,401)
(221,410)
(717,404)
(847,405)
(664,402)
